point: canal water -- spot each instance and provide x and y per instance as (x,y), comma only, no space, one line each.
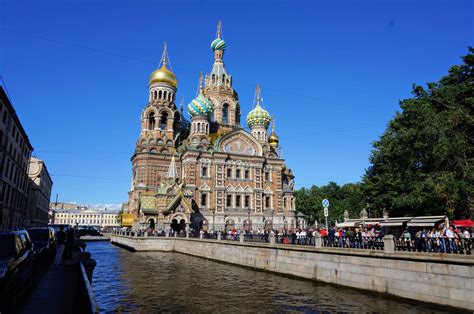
(172,282)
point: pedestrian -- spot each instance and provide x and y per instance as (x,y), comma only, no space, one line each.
(71,237)
(60,241)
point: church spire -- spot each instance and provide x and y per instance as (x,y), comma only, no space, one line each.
(258,96)
(164,61)
(219,29)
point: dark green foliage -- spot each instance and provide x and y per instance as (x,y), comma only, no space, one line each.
(347,197)
(422,164)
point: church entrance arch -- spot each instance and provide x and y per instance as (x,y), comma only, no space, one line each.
(178,222)
(151,223)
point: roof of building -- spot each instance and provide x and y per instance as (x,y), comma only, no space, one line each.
(86,211)
(422,221)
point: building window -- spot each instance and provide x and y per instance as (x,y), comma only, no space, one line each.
(164,121)
(229,201)
(225,114)
(204,171)
(247,174)
(204,199)
(237,173)
(151,121)
(284,203)
(267,176)
(267,201)
(229,172)
(237,200)
(247,201)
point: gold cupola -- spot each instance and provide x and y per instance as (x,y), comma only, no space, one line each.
(163,74)
(273,139)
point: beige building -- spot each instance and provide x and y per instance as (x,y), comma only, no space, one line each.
(15,153)
(39,193)
(210,173)
(86,217)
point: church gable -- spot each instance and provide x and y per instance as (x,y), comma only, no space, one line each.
(239,142)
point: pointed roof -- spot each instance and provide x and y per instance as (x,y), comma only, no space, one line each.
(172,172)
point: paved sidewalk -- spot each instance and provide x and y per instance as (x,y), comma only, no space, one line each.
(55,293)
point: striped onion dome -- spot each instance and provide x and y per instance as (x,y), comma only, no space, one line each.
(218,44)
(258,117)
(200,106)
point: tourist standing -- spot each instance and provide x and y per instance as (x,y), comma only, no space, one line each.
(61,241)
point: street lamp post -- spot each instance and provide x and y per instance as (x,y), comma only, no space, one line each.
(248,219)
(272,219)
(213,219)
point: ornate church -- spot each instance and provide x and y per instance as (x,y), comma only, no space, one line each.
(210,173)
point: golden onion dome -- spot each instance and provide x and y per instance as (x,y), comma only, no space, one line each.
(163,75)
(273,140)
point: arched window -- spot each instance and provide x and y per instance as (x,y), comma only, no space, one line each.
(213,78)
(199,127)
(165,95)
(160,93)
(151,121)
(154,95)
(225,114)
(223,78)
(207,128)
(164,121)
(169,96)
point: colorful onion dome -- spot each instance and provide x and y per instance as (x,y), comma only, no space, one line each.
(163,75)
(200,106)
(258,117)
(218,44)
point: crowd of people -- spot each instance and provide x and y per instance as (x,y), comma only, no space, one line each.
(440,239)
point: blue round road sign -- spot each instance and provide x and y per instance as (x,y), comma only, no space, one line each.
(325,202)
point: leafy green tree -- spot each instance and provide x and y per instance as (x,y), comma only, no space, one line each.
(347,197)
(423,163)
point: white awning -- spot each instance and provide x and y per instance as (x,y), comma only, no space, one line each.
(429,221)
(395,221)
(348,224)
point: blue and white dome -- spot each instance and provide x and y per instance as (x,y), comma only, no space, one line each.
(200,106)
(218,44)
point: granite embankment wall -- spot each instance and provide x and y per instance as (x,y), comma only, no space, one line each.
(435,278)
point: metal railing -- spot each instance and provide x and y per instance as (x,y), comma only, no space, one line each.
(295,240)
(259,238)
(230,237)
(367,243)
(434,245)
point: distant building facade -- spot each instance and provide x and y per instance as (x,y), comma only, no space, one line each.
(210,172)
(15,153)
(86,217)
(39,193)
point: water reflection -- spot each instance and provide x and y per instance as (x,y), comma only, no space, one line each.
(155,281)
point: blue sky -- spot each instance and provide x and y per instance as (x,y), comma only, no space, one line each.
(332,74)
